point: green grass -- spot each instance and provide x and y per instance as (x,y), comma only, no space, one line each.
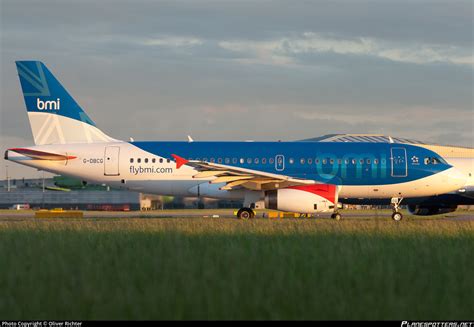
(228,269)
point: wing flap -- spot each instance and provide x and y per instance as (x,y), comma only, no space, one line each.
(209,173)
(228,179)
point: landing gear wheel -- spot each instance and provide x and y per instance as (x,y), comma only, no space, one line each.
(336,216)
(397,216)
(245,213)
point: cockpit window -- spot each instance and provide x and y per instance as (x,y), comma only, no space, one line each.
(434,161)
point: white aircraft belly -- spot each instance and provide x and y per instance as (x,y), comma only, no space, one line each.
(443,182)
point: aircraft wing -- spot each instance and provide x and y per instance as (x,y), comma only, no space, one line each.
(237,177)
(41,155)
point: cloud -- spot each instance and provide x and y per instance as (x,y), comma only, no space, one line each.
(267,70)
(172,41)
(285,50)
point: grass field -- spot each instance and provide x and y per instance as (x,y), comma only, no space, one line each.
(204,268)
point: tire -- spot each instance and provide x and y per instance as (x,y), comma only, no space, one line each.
(245,213)
(397,216)
(336,216)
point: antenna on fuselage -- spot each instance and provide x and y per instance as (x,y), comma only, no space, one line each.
(190,139)
(390,139)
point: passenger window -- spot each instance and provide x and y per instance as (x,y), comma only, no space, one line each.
(302,161)
(255,160)
(376,161)
(310,161)
(361,161)
(331,161)
(146,160)
(153,160)
(316,161)
(264,160)
(139,160)
(213,160)
(353,161)
(427,161)
(324,161)
(249,160)
(131,160)
(368,161)
(161,160)
(339,161)
(227,160)
(168,160)
(271,160)
(242,160)
(292,161)
(219,160)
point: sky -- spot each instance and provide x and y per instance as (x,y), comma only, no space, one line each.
(246,70)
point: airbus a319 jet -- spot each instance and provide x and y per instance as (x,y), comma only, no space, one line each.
(302,177)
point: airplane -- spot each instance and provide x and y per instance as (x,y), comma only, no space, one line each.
(302,177)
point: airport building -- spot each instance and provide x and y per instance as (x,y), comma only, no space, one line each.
(452,151)
(59,192)
(68,193)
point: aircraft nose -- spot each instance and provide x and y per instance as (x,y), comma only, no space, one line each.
(454,179)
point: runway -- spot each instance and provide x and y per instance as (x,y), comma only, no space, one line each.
(12,215)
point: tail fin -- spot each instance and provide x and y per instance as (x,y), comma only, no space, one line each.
(55,118)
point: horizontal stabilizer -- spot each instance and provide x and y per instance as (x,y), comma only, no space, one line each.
(41,155)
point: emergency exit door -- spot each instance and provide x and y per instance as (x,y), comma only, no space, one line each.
(111,161)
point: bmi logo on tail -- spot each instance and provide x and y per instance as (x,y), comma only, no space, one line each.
(48,105)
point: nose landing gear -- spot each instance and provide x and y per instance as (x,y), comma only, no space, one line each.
(396,215)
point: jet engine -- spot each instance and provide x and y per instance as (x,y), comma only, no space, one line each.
(430,210)
(303,199)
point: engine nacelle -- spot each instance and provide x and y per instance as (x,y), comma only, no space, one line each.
(430,210)
(303,199)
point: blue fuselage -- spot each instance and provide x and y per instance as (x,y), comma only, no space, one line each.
(331,162)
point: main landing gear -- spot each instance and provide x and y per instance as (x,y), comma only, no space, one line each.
(336,216)
(245,213)
(396,215)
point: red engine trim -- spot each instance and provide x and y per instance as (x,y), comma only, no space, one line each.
(327,191)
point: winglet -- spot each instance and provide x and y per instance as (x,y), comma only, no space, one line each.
(179,161)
